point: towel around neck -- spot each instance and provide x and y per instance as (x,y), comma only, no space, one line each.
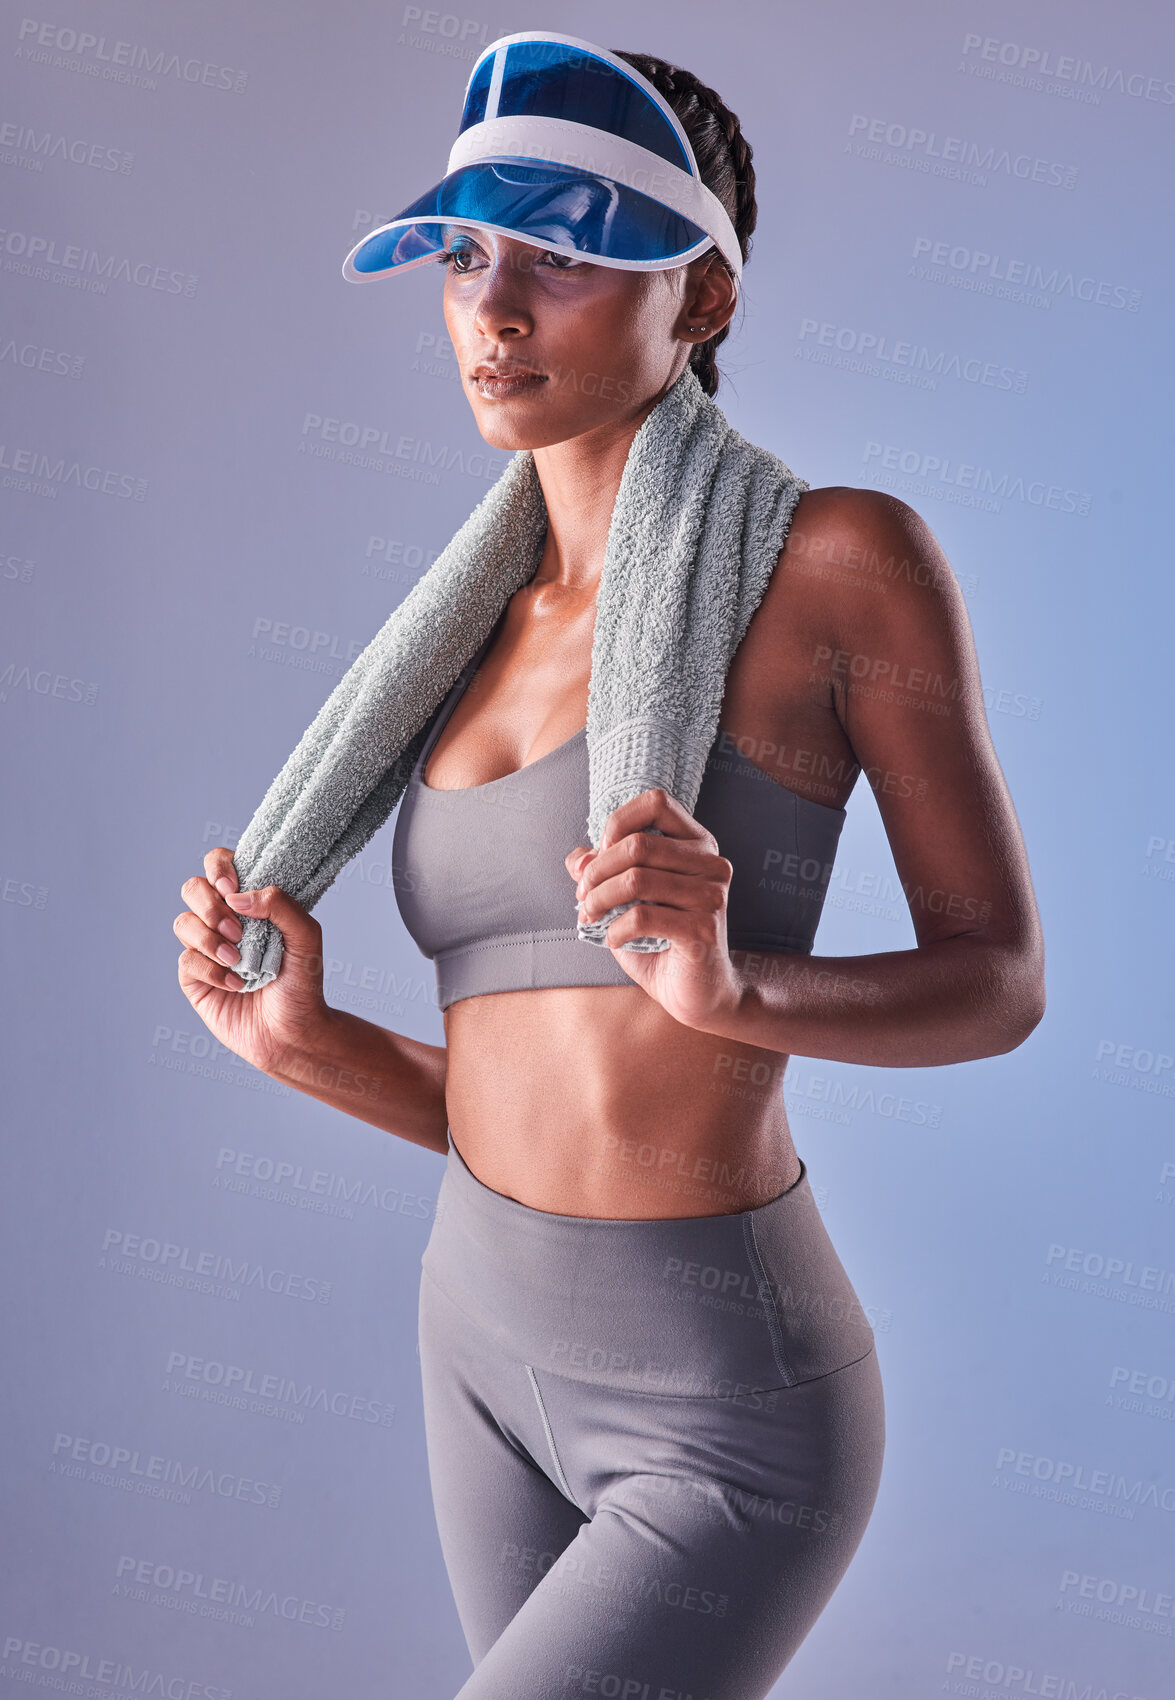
(697,527)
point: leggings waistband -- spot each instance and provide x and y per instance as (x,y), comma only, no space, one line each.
(695,1306)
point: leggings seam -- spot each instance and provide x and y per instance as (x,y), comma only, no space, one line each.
(441,1287)
(564,1485)
(696,1398)
(765,1287)
(869,1351)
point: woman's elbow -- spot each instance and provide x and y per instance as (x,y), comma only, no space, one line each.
(1019,1003)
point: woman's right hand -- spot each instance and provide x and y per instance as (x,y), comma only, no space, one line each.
(259,1026)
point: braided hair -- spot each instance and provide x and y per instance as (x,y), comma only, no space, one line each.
(724,160)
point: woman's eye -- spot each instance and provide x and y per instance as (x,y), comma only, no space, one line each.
(452,258)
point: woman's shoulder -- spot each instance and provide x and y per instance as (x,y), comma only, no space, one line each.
(858,563)
(843,519)
(842,538)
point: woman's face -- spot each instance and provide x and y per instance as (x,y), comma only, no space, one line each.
(601,341)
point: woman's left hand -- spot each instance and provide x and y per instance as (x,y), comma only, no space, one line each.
(678,884)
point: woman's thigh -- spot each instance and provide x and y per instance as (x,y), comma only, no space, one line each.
(716,1532)
(502,1522)
(654,1444)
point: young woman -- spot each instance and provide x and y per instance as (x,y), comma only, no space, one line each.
(654,1412)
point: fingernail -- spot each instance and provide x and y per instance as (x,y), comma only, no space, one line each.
(228,953)
(224,884)
(239,899)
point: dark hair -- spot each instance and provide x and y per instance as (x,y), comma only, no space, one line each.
(724,160)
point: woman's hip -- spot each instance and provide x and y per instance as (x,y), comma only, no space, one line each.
(729,1307)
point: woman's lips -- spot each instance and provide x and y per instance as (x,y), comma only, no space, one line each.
(501,389)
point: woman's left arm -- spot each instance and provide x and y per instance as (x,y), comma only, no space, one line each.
(905,684)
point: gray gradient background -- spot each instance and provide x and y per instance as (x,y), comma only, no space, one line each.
(162,649)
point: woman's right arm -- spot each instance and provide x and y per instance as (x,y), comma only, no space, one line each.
(394,1083)
(287,1029)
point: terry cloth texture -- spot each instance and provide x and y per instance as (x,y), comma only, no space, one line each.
(699,521)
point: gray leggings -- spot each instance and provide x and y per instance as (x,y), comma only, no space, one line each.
(654,1446)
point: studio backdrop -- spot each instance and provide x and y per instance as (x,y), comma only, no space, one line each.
(222,466)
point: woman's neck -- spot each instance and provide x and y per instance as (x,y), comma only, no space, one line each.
(580,480)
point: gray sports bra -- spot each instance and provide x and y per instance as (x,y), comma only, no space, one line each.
(481,886)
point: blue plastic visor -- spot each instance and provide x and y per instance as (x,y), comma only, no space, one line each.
(557,207)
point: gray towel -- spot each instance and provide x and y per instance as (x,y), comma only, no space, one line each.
(699,521)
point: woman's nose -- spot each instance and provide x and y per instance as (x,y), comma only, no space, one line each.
(501,301)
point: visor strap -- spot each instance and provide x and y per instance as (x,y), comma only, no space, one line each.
(560,141)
